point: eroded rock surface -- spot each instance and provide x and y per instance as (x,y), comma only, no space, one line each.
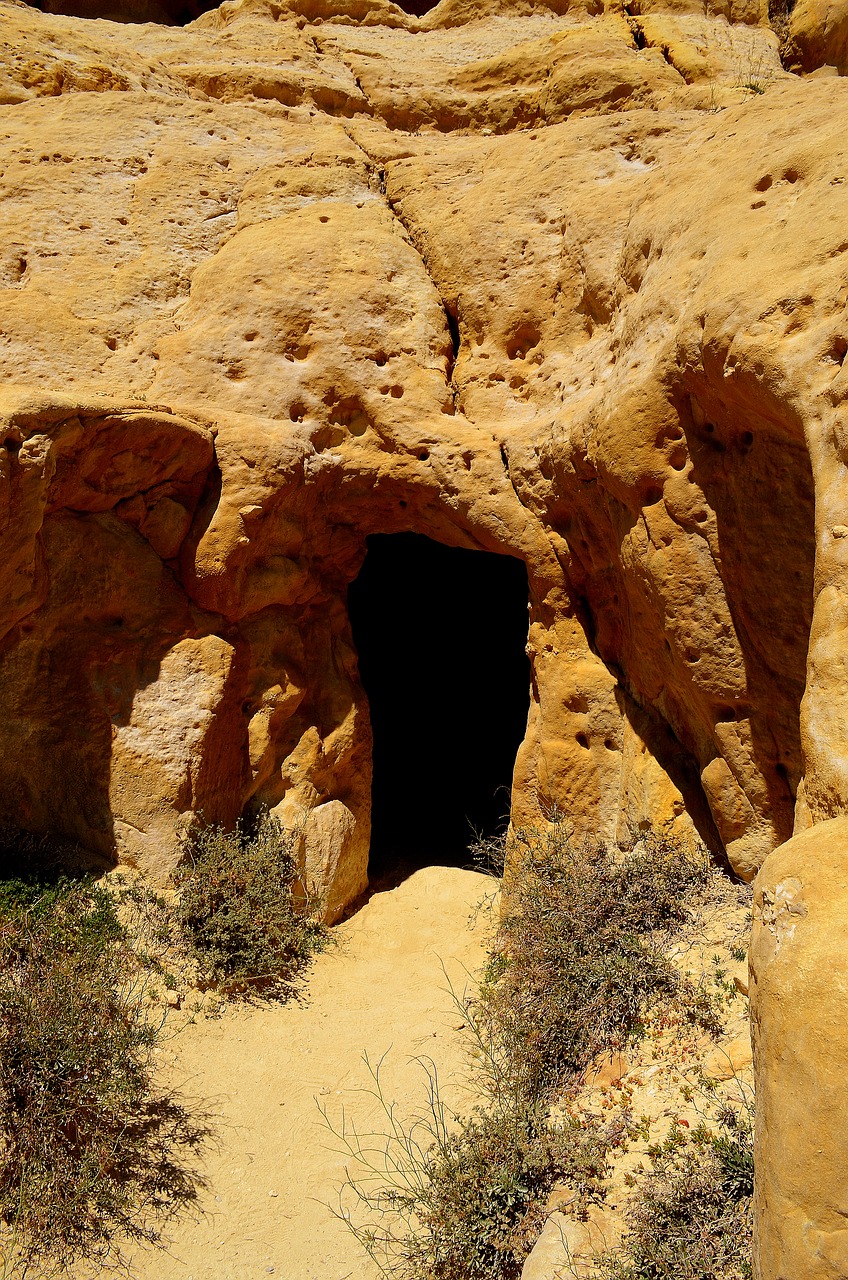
(563,285)
(799,996)
(560,282)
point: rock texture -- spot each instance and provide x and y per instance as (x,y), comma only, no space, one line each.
(799,995)
(564,282)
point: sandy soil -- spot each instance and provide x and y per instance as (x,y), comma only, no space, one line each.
(265,1070)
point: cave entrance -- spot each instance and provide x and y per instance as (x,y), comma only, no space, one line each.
(441,636)
(166,13)
(417,7)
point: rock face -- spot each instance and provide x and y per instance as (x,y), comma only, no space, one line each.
(563,282)
(799,995)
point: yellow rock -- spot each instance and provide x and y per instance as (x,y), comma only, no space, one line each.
(728,1061)
(561,282)
(286,277)
(799,1004)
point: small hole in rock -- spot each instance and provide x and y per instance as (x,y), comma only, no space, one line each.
(523,341)
(582,740)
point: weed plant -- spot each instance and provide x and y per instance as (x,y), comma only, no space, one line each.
(578,961)
(89,1149)
(581,955)
(690,1217)
(443,1197)
(252,925)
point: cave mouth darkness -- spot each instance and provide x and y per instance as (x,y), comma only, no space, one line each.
(169,13)
(441,636)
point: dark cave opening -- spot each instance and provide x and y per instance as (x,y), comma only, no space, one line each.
(441,636)
(416,7)
(168,13)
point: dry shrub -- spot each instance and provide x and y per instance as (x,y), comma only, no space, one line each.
(252,925)
(581,954)
(578,960)
(690,1217)
(444,1197)
(91,1149)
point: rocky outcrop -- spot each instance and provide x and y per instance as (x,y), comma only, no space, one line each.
(563,283)
(799,998)
(817,36)
(275,284)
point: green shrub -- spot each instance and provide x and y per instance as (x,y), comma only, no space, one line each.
(450,1198)
(251,924)
(89,1149)
(488,1187)
(578,959)
(690,1217)
(581,954)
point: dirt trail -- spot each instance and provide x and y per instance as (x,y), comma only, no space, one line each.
(382,988)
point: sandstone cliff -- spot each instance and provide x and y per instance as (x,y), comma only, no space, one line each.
(563,282)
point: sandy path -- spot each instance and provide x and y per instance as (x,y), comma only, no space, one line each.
(381,989)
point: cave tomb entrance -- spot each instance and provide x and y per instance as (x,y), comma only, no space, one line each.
(441,635)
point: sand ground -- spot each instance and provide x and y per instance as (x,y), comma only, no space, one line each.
(264,1071)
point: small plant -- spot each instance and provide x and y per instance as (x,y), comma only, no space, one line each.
(450,1198)
(578,961)
(252,925)
(754,72)
(690,1217)
(580,956)
(488,854)
(89,1148)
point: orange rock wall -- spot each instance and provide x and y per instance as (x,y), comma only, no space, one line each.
(565,283)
